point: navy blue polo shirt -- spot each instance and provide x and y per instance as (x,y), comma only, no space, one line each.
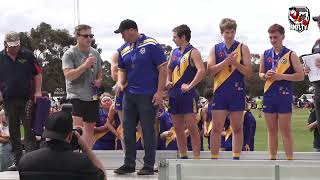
(16,76)
(140,60)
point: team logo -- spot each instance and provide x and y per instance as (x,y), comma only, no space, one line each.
(174,58)
(22,61)
(269,60)
(299,18)
(283,61)
(221,54)
(142,50)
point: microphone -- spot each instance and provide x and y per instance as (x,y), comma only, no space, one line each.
(92,68)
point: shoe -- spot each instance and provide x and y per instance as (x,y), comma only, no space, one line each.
(146,171)
(124,169)
(13,167)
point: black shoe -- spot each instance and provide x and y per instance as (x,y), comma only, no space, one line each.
(124,169)
(13,167)
(146,171)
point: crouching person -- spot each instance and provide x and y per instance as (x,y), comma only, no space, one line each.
(57,160)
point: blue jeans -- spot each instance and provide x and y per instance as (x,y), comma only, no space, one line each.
(139,107)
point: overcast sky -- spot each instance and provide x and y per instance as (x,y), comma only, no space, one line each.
(158,18)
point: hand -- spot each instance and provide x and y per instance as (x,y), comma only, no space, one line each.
(81,141)
(97,83)
(306,70)
(206,134)
(167,134)
(277,77)
(37,95)
(90,61)
(232,58)
(169,85)
(317,62)
(185,88)
(246,147)
(119,88)
(269,74)
(157,98)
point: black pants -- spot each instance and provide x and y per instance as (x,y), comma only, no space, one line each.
(15,112)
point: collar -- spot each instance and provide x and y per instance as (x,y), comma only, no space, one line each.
(59,145)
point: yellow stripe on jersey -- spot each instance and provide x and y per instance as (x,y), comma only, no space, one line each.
(283,66)
(225,73)
(138,135)
(126,50)
(172,137)
(100,135)
(179,71)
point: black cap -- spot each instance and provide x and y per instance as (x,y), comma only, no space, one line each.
(58,125)
(126,24)
(316,18)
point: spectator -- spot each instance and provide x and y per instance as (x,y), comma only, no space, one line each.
(58,156)
(17,92)
(312,125)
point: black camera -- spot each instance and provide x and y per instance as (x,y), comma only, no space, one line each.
(74,141)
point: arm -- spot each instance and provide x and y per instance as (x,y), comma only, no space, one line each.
(38,84)
(169,73)
(205,120)
(246,68)
(114,66)
(201,71)
(212,67)
(262,74)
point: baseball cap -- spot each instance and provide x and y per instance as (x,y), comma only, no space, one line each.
(58,125)
(12,38)
(316,18)
(126,24)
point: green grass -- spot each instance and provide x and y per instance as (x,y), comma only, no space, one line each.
(303,138)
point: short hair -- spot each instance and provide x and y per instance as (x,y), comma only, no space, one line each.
(183,30)
(276,28)
(79,28)
(227,23)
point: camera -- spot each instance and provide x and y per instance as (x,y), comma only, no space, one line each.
(74,141)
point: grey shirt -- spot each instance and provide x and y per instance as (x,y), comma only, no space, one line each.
(81,88)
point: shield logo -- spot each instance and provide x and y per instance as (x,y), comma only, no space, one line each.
(299,18)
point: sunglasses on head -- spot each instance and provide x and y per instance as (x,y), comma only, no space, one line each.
(86,35)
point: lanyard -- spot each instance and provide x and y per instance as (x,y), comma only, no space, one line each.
(227,54)
(276,60)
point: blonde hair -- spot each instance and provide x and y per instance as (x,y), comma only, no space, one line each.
(79,28)
(227,23)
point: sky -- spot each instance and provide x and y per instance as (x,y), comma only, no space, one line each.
(158,18)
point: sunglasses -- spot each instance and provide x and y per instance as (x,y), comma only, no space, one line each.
(86,35)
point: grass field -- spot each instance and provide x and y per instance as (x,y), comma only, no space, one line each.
(303,138)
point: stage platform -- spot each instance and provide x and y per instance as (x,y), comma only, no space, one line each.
(253,165)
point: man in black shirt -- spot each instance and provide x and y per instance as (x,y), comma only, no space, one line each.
(58,157)
(18,69)
(312,126)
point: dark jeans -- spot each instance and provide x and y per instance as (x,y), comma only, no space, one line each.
(15,111)
(139,107)
(316,86)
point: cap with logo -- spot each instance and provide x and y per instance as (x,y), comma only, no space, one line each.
(12,39)
(58,125)
(126,24)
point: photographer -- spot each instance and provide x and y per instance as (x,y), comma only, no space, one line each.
(57,160)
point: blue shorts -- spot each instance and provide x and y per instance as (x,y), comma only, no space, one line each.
(182,104)
(277,103)
(118,102)
(229,101)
